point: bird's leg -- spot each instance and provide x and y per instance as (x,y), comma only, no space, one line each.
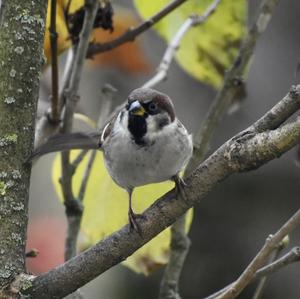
(131,215)
(179,184)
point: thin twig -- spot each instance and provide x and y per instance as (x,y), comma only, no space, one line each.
(86,176)
(106,107)
(66,76)
(272,241)
(169,54)
(44,127)
(165,63)
(180,244)
(291,257)
(73,207)
(78,160)
(273,257)
(132,33)
(48,124)
(108,92)
(74,221)
(55,111)
(231,84)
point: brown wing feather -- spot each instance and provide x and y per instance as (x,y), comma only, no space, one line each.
(62,142)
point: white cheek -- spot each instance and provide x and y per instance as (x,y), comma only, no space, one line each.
(151,125)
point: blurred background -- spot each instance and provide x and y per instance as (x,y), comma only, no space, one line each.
(232,223)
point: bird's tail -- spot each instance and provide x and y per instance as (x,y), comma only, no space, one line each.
(63,142)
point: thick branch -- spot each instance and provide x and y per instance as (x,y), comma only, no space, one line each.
(246,151)
(21,35)
(132,33)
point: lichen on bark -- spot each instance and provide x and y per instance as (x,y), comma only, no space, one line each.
(22,25)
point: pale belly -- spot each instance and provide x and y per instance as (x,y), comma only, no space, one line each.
(131,165)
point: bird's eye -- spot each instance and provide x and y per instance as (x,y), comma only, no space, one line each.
(152,107)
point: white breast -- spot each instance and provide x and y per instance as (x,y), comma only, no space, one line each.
(131,165)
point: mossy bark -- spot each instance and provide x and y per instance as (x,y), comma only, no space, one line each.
(22,26)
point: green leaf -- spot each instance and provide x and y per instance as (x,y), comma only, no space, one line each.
(209,49)
(105,211)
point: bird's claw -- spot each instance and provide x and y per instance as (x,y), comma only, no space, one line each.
(133,223)
(180,184)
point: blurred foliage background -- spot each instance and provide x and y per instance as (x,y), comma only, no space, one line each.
(232,223)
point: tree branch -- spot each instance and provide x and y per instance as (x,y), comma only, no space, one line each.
(107,98)
(272,241)
(55,107)
(291,257)
(108,92)
(245,151)
(74,207)
(180,244)
(272,258)
(132,33)
(44,127)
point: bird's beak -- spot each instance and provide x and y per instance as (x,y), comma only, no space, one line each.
(136,109)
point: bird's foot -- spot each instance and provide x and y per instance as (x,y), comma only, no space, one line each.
(180,184)
(133,223)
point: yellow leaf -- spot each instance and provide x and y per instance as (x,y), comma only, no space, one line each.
(106,206)
(207,50)
(85,119)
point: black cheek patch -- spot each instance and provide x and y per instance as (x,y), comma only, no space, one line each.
(162,122)
(137,126)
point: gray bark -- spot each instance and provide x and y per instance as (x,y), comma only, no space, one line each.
(21,35)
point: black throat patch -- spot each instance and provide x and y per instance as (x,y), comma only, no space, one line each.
(137,126)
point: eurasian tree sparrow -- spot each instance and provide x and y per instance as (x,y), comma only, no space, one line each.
(143,143)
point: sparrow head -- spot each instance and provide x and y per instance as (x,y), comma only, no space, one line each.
(148,112)
(146,101)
